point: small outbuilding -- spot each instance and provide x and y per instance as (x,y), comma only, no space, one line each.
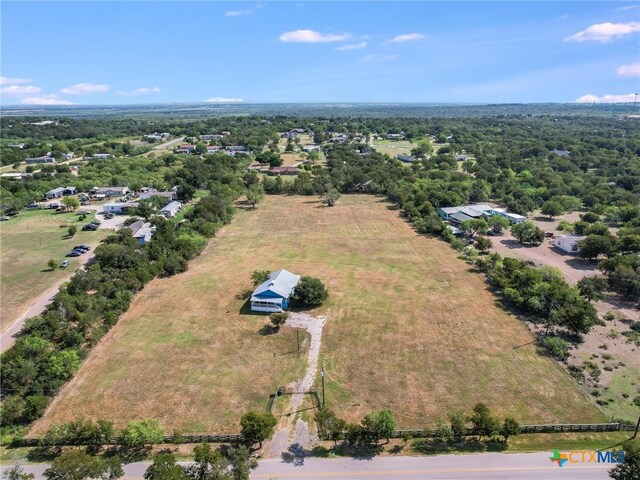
(171,209)
(569,243)
(273,294)
(55,193)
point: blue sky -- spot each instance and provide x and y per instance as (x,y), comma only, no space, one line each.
(154,52)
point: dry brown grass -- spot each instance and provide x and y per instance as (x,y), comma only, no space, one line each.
(409,327)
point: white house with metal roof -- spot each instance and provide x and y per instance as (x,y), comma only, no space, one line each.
(273,294)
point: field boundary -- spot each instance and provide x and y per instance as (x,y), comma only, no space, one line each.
(428,433)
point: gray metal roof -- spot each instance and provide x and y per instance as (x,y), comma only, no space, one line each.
(281,282)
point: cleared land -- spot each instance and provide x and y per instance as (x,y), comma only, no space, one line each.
(28,241)
(409,327)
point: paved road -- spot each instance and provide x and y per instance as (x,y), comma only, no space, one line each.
(487,466)
(9,336)
(165,146)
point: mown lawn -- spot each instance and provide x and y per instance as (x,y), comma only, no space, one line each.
(409,327)
(27,243)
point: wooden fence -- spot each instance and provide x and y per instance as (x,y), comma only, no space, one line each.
(547,428)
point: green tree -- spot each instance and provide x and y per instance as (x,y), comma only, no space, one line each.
(255,193)
(510,428)
(142,432)
(483,244)
(379,424)
(63,364)
(241,463)
(484,424)
(527,232)
(165,467)
(498,223)
(72,230)
(591,288)
(209,464)
(310,292)
(278,319)
(52,264)
(595,245)
(257,427)
(71,203)
(458,421)
(260,276)
(552,208)
(330,197)
(201,148)
(443,432)
(475,225)
(423,149)
(78,465)
(16,472)
(630,469)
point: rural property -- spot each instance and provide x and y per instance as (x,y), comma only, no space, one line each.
(409,326)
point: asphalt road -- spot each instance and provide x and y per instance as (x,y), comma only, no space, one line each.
(487,466)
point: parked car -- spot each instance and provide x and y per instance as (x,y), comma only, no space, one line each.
(108,216)
(95,222)
(90,226)
(82,248)
(33,206)
(65,264)
(73,253)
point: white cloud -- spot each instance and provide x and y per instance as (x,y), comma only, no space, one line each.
(352,46)
(50,99)
(631,70)
(311,36)
(246,11)
(407,37)
(604,32)
(627,8)
(223,100)
(86,88)
(140,91)
(378,58)
(590,98)
(13,81)
(20,91)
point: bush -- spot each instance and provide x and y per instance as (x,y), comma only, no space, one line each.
(558,347)
(278,319)
(310,292)
(142,432)
(257,427)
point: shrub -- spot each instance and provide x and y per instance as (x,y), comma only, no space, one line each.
(278,319)
(558,347)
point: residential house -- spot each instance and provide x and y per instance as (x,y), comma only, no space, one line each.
(142,231)
(70,191)
(311,148)
(213,149)
(284,171)
(208,138)
(561,153)
(68,156)
(273,294)
(18,145)
(55,193)
(13,175)
(168,195)
(186,148)
(405,158)
(98,156)
(171,209)
(395,136)
(569,243)
(43,159)
(119,208)
(473,211)
(110,191)
(512,217)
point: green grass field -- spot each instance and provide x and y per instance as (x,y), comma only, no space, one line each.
(409,327)
(27,242)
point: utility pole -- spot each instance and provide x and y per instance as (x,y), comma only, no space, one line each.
(322,376)
(298,337)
